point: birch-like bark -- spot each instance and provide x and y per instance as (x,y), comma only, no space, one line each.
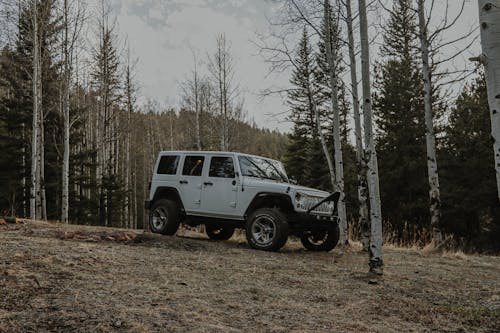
(331,56)
(360,161)
(41,154)
(66,120)
(430,138)
(489,19)
(23,181)
(129,91)
(314,109)
(34,131)
(376,262)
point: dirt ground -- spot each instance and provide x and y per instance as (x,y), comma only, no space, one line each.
(56,278)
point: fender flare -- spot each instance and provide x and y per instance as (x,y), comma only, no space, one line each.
(261,199)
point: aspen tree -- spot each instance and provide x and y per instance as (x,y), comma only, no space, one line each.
(360,161)
(430,138)
(489,19)
(376,262)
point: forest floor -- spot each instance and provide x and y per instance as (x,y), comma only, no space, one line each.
(57,278)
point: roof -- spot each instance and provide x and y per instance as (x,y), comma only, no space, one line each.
(210,152)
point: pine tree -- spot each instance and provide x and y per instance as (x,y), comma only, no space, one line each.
(471,212)
(302,100)
(15,119)
(398,106)
(106,80)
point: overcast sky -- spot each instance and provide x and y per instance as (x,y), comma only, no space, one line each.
(162,32)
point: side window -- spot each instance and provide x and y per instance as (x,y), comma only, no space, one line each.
(193,165)
(221,167)
(168,165)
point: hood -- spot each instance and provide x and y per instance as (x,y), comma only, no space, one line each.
(308,191)
(284,187)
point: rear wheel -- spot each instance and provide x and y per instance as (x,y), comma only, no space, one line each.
(164,217)
(321,240)
(267,229)
(216,232)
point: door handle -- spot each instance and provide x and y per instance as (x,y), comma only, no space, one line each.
(183,181)
(208,183)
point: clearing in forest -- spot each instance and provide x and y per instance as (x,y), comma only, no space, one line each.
(86,279)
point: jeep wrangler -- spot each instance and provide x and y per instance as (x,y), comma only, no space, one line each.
(225,191)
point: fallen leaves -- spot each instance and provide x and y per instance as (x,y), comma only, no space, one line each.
(10,220)
(97,236)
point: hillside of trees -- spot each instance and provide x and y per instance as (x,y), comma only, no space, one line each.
(113,141)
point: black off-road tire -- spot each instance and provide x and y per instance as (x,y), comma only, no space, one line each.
(217,232)
(276,220)
(328,239)
(164,217)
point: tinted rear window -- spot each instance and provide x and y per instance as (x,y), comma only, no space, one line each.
(193,165)
(221,167)
(168,165)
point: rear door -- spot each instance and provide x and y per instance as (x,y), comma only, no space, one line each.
(190,182)
(220,187)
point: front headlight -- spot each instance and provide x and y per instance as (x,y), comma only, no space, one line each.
(298,197)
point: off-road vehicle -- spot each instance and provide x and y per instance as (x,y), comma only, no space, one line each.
(225,191)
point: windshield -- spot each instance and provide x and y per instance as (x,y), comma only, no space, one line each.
(262,168)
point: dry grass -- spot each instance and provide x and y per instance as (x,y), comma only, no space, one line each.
(151,283)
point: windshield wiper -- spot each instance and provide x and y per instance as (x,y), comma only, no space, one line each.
(276,169)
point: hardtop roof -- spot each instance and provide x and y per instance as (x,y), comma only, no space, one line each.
(168,152)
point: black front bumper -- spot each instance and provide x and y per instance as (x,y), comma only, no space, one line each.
(303,221)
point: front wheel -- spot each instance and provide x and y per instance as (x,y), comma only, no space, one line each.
(321,240)
(267,229)
(219,233)
(164,217)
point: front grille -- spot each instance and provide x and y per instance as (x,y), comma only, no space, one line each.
(323,209)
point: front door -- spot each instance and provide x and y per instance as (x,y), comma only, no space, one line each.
(190,182)
(220,187)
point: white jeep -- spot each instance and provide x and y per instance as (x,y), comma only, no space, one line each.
(225,191)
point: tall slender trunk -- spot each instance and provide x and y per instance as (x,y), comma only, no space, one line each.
(134,195)
(197,104)
(430,138)
(489,18)
(314,109)
(23,181)
(41,153)
(376,262)
(171,131)
(360,161)
(331,56)
(66,83)
(128,162)
(34,140)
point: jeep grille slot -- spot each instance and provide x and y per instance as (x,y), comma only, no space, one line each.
(323,209)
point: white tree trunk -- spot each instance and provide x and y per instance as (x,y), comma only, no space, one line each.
(41,154)
(324,145)
(34,141)
(35,180)
(66,120)
(23,181)
(360,162)
(430,138)
(376,262)
(489,18)
(331,56)
(197,105)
